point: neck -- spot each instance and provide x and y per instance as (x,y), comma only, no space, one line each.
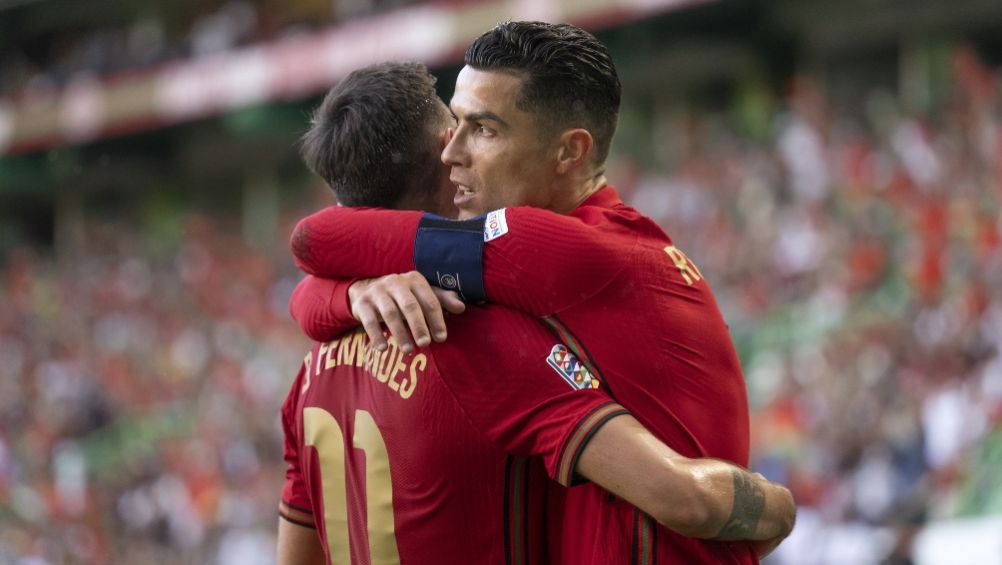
(579,193)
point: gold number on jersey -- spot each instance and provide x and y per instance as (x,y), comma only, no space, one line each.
(685,266)
(323,433)
(378,490)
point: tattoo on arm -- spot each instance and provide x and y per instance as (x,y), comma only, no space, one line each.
(749,504)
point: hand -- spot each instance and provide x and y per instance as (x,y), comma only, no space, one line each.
(407,304)
(781,507)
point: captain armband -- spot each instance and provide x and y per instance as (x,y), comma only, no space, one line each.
(450,255)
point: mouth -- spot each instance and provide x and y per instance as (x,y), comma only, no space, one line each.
(464,195)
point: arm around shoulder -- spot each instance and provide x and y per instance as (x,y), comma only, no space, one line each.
(701,498)
(542,262)
(343,242)
(320,307)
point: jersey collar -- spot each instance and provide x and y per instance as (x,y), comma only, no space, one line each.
(605,197)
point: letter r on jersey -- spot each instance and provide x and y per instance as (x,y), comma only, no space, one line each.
(685,266)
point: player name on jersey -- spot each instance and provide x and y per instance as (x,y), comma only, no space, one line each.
(392,367)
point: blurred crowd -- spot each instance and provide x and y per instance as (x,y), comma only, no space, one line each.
(198,29)
(857,256)
(855,252)
(47,62)
(139,398)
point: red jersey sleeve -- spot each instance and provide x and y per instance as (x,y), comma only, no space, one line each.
(340,242)
(321,307)
(546,262)
(534,260)
(294,505)
(522,388)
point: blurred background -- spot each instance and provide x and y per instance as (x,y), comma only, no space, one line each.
(834,167)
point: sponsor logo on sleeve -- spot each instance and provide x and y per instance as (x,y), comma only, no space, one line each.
(496,225)
(570,368)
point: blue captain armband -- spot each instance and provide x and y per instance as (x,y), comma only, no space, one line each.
(450,255)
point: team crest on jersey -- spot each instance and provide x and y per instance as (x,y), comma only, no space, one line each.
(570,368)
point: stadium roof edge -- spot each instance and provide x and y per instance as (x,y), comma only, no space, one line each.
(92,107)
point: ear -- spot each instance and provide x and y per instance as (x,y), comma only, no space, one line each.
(445,139)
(574,150)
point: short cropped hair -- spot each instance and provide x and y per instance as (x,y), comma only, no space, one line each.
(570,80)
(371,139)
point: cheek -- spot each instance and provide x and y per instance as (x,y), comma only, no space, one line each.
(523,170)
(492,167)
(484,148)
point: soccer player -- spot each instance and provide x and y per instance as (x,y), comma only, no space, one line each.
(435,469)
(536,108)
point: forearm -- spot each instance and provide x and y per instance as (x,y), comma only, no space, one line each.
(564,259)
(340,242)
(321,308)
(298,545)
(701,498)
(739,504)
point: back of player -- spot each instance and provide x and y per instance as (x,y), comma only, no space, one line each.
(383,462)
(634,309)
(696,403)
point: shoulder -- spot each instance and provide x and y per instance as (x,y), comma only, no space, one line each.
(492,337)
(491,320)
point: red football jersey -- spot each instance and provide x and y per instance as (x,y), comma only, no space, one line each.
(629,303)
(439,456)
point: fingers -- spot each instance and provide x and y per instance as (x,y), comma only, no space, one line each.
(386,303)
(371,305)
(431,309)
(411,309)
(450,300)
(366,313)
(412,319)
(357,288)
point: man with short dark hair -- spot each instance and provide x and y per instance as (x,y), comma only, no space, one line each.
(560,93)
(427,476)
(534,106)
(369,171)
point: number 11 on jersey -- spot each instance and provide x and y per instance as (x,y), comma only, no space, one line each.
(323,432)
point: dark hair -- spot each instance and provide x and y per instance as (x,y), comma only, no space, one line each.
(570,80)
(371,137)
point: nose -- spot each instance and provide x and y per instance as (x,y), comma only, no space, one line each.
(455,154)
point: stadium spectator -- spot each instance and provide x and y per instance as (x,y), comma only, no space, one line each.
(132,427)
(894,379)
(65,55)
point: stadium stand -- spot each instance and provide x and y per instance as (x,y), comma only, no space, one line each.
(850,228)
